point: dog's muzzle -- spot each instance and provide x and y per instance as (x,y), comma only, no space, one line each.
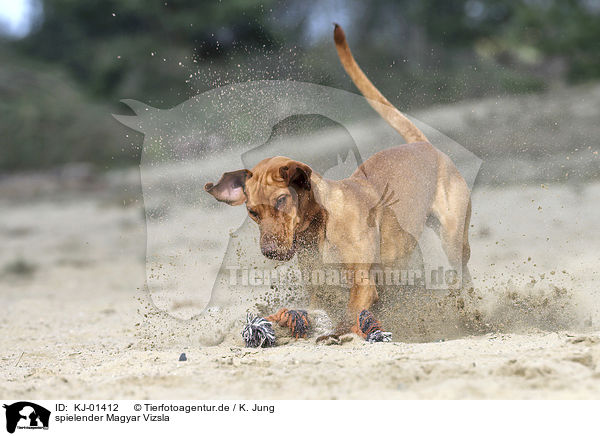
(271,250)
(276,254)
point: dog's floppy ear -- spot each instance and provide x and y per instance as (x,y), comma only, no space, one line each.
(296,174)
(230,187)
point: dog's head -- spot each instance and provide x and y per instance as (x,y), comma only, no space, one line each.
(276,193)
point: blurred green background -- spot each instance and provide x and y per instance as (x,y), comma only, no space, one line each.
(65,64)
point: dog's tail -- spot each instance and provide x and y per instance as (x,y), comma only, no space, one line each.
(388,112)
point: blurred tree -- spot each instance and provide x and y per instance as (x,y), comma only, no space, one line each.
(164,51)
(148,49)
(141,48)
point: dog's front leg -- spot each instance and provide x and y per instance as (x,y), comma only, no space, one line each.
(363,294)
(365,324)
(295,320)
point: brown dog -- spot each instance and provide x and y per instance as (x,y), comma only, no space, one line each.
(376,216)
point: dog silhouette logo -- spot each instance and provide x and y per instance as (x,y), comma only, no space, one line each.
(26,415)
(197,249)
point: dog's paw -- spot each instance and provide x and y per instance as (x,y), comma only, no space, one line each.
(258,332)
(371,328)
(379,336)
(296,320)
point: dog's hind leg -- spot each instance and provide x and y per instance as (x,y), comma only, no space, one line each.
(467,282)
(397,246)
(452,208)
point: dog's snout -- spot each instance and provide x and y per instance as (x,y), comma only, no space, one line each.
(270,253)
(272,248)
(269,246)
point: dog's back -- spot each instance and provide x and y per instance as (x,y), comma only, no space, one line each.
(402,171)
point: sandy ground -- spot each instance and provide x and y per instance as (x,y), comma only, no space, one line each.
(77,325)
(78,321)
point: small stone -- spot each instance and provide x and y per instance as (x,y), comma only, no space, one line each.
(182,357)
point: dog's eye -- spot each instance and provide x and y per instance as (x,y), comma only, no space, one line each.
(280,202)
(253,214)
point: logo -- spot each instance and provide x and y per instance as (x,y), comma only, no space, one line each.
(194,244)
(26,415)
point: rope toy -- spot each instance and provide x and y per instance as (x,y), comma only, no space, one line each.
(258,332)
